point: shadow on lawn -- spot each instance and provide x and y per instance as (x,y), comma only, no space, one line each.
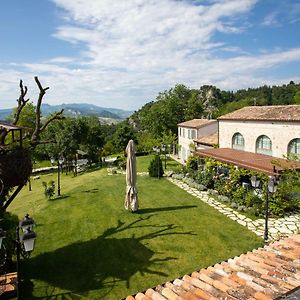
(168,208)
(85,266)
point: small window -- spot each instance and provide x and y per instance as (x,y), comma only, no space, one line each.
(193,134)
(264,145)
(238,141)
(294,147)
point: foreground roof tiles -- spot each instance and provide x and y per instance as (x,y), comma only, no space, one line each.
(263,274)
(288,113)
(196,123)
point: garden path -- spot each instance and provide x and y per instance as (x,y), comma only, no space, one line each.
(277,227)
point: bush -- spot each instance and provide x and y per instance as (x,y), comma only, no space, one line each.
(206,179)
(192,163)
(156,169)
(122,164)
(8,224)
(223,198)
(49,189)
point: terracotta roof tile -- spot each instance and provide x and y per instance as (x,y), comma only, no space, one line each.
(209,140)
(196,123)
(265,273)
(289,113)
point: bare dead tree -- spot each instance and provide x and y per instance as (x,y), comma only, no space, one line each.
(21,102)
(34,137)
(39,128)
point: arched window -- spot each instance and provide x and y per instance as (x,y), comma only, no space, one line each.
(264,145)
(238,141)
(294,147)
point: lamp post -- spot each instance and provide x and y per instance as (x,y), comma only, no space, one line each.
(59,165)
(164,148)
(271,187)
(23,244)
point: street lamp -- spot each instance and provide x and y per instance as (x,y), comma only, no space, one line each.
(163,148)
(59,165)
(271,187)
(52,160)
(2,236)
(26,223)
(23,244)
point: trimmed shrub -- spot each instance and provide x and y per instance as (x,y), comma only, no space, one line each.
(192,163)
(156,169)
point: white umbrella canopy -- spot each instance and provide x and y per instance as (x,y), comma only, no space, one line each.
(131,198)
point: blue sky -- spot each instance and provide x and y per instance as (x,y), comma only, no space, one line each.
(121,54)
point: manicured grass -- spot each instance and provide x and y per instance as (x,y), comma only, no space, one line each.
(90,247)
(41,164)
(143,162)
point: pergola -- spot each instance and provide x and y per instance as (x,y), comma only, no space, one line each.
(13,129)
(257,162)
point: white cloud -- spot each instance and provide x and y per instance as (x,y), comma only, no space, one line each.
(133,49)
(271,20)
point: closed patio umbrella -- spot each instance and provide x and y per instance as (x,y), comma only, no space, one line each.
(131,198)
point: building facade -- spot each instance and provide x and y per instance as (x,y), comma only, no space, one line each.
(191,131)
(270,130)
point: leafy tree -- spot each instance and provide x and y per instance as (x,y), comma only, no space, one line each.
(94,139)
(194,109)
(297,97)
(27,116)
(123,134)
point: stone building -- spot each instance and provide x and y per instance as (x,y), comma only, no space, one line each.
(269,130)
(196,134)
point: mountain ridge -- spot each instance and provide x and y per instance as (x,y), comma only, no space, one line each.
(78,109)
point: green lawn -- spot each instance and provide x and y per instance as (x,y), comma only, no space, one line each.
(90,247)
(143,163)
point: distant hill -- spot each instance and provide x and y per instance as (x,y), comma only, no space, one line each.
(4,113)
(78,109)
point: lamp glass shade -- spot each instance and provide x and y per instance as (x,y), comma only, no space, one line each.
(29,244)
(272,186)
(2,236)
(255,182)
(61,160)
(28,239)
(52,160)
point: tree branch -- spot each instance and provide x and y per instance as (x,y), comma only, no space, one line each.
(56,116)
(37,130)
(21,102)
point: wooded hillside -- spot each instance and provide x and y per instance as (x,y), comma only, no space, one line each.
(180,104)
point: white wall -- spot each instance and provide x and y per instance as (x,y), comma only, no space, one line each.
(184,141)
(280,133)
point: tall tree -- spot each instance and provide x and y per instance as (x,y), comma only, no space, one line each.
(15,160)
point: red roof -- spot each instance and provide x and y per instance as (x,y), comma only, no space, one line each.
(258,162)
(196,123)
(285,113)
(263,274)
